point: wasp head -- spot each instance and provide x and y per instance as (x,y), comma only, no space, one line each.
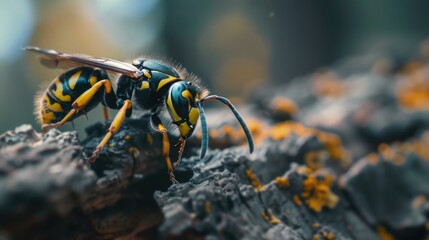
(181,104)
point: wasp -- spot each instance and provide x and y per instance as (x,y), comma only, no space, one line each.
(147,83)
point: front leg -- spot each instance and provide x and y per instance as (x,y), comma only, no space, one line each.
(165,145)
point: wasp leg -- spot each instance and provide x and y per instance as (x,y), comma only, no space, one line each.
(106,113)
(165,146)
(81,102)
(114,127)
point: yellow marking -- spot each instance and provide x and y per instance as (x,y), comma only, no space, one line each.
(58,92)
(149,138)
(55,107)
(147,73)
(184,129)
(84,99)
(187,94)
(194,114)
(93,80)
(167,80)
(134,152)
(145,85)
(73,79)
(175,116)
(47,117)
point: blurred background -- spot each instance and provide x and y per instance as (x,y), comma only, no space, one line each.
(236,47)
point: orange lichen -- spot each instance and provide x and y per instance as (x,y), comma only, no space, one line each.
(328,235)
(373,158)
(254,180)
(331,141)
(282,182)
(257,129)
(208,207)
(418,201)
(283,106)
(317,191)
(233,135)
(327,84)
(269,217)
(384,234)
(315,237)
(316,225)
(280,131)
(297,201)
(127,138)
(313,160)
(412,92)
(396,152)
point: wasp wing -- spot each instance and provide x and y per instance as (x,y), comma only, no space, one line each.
(54,59)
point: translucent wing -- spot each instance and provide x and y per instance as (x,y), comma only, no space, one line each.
(54,59)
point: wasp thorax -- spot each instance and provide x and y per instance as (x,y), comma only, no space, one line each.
(181,106)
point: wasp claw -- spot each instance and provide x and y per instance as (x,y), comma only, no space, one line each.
(47,127)
(173,178)
(94,156)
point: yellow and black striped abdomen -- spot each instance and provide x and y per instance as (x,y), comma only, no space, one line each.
(56,101)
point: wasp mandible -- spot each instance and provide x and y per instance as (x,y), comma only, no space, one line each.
(148,83)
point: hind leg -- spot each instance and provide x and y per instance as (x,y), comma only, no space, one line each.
(82,101)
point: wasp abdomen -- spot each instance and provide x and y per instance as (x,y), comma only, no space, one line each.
(56,101)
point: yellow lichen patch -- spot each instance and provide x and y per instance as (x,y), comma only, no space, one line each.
(327,84)
(316,225)
(303,170)
(313,160)
(269,217)
(254,180)
(297,201)
(412,91)
(317,191)
(208,207)
(127,138)
(373,158)
(283,106)
(257,129)
(331,141)
(384,234)
(315,237)
(235,135)
(282,182)
(391,154)
(328,235)
(418,201)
